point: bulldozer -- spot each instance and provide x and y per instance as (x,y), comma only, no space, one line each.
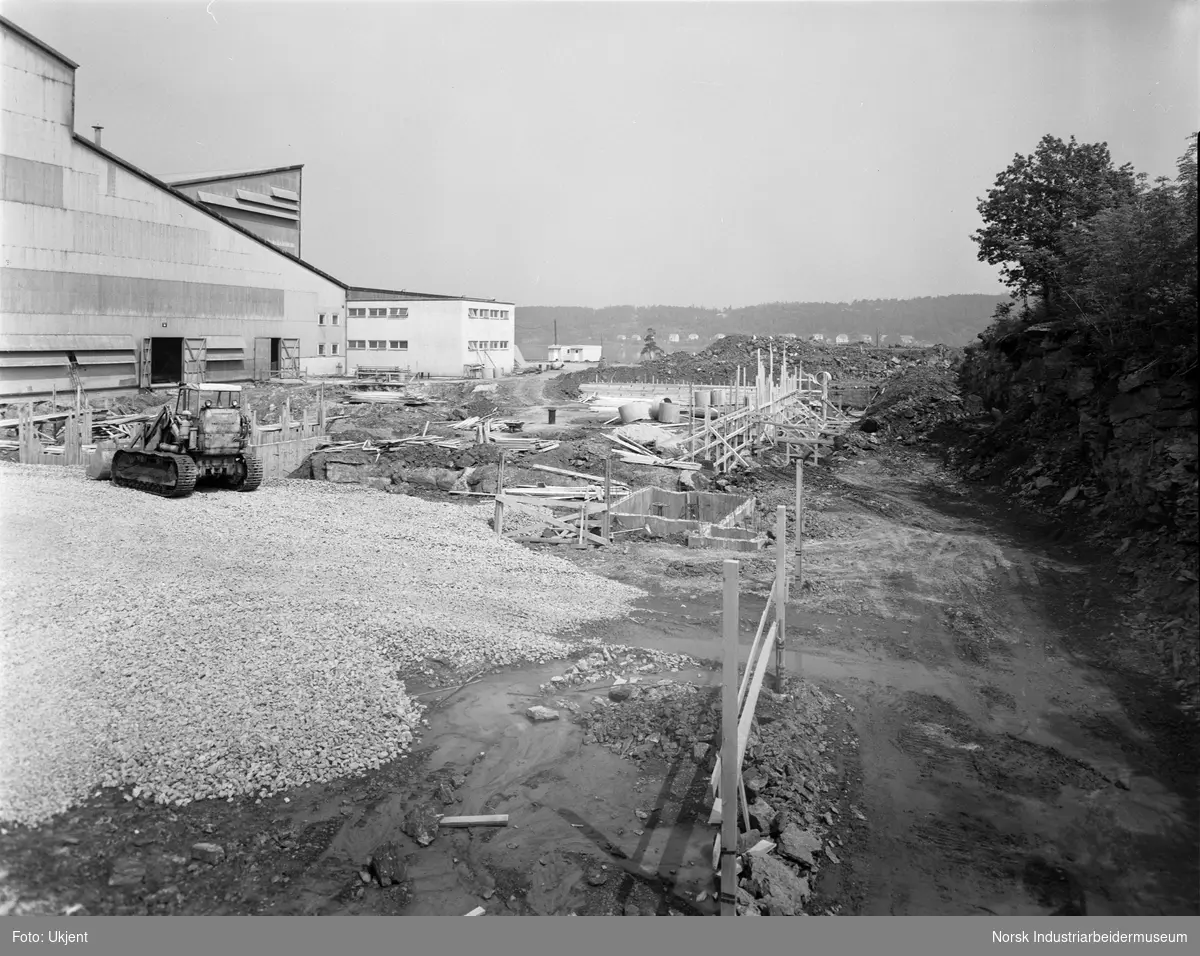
(206,436)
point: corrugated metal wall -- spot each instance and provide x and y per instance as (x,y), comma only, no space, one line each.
(90,248)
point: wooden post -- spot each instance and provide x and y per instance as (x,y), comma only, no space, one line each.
(321,410)
(780,591)
(729,743)
(498,520)
(608,499)
(692,418)
(799,524)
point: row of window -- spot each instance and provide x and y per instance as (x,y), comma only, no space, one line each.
(379,345)
(487,313)
(333,348)
(476,346)
(380,313)
(333,315)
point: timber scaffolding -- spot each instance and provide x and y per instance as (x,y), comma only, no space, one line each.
(83,431)
(780,406)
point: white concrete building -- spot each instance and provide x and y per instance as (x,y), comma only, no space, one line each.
(574,353)
(114,280)
(842,339)
(439,335)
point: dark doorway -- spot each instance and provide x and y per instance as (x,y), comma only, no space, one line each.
(166,361)
(274,356)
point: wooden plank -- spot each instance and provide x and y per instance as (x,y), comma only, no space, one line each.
(781,590)
(729,739)
(565,471)
(485,820)
(799,524)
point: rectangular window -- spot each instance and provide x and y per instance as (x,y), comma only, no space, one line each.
(377,344)
(357,313)
(321,319)
(377,313)
(336,319)
(356,344)
(473,313)
(320,348)
(400,345)
(398,313)
(334,348)
(503,345)
(472,345)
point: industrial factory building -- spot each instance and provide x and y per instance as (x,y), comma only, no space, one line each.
(115,279)
(265,201)
(437,335)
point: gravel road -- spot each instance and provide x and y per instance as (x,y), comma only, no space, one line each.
(230,644)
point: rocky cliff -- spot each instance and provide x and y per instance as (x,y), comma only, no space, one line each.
(1109,443)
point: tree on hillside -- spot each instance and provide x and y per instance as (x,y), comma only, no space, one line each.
(1134,264)
(650,348)
(1038,203)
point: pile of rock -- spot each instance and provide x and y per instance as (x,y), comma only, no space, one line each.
(910,407)
(718,363)
(618,663)
(664,720)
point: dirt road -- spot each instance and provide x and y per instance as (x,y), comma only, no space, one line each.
(1012,757)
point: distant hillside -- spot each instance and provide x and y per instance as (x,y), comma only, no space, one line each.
(945,319)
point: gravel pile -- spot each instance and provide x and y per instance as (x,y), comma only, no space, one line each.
(229,644)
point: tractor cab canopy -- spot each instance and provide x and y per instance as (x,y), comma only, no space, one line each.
(197,396)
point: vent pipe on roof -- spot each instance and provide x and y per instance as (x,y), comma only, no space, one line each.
(97,130)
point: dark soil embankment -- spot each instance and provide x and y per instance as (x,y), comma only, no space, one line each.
(856,370)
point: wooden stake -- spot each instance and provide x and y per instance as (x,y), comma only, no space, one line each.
(780,590)
(729,734)
(498,520)
(608,499)
(799,523)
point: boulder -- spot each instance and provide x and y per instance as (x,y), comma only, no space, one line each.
(760,815)
(208,852)
(798,845)
(783,892)
(127,871)
(386,865)
(538,713)
(421,823)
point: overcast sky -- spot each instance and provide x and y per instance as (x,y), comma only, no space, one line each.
(561,153)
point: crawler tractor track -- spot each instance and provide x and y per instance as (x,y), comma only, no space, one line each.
(253,476)
(179,470)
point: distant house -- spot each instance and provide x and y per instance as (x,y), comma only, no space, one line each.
(719,335)
(866,338)
(906,340)
(842,339)
(622,338)
(693,337)
(573,353)
(673,337)
(818,336)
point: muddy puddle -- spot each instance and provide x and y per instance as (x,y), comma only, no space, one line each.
(573,817)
